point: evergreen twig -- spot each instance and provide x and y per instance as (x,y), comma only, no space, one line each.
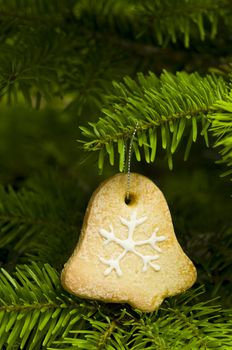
(222,130)
(173,105)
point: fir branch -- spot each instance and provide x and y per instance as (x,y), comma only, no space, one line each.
(34,310)
(177,324)
(87,83)
(36,313)
(48,63)
(154,21)
(35,221)
(222,130)
(159,21)
(27,69)
(172,104)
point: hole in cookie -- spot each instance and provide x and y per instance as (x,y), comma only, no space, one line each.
(129,200)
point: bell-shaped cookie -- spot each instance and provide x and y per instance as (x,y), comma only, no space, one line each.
(128,252)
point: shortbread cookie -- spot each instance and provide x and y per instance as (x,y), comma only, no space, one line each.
(128,253)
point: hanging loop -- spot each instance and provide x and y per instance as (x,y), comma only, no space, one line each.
(129,163)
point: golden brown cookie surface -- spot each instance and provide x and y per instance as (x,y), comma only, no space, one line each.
(128,252)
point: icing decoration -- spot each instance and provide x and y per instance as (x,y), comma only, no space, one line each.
(129,245)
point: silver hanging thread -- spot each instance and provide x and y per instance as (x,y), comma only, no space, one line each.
(129,162)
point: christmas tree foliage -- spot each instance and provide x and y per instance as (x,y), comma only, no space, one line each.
(90,71)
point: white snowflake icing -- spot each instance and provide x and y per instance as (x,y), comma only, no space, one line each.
(129,245)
